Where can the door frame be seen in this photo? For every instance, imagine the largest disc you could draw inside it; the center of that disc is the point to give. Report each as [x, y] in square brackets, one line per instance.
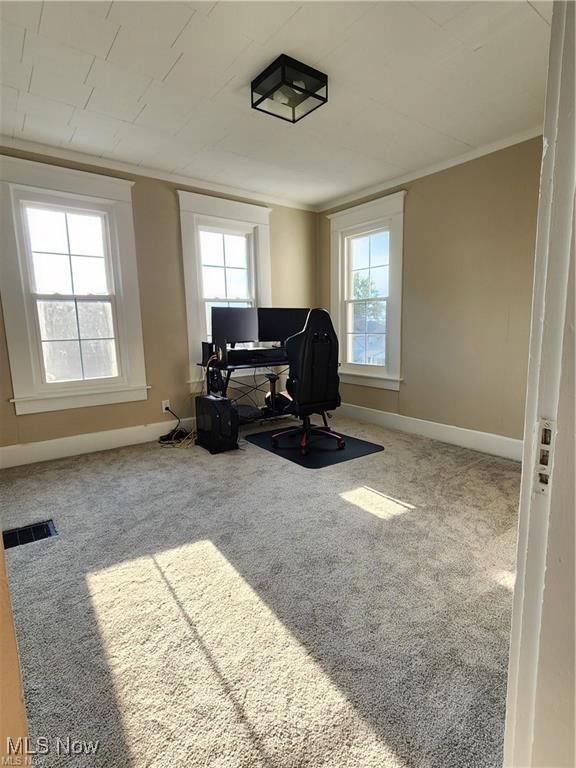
[549, 308]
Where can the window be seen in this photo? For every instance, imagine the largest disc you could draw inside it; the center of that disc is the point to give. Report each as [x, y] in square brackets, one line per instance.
[69, 288]
[227, 274]
[226, 256]
[366, 290]
[366, 294]
[72, 291]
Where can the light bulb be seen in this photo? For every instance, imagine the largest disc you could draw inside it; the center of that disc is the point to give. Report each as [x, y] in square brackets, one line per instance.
[281, 97]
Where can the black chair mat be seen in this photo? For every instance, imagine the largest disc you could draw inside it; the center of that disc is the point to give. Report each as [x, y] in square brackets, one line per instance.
[322, 452]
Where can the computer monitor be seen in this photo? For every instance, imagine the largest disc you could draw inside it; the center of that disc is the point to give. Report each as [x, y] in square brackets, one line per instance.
[277, 324]
[234, 324]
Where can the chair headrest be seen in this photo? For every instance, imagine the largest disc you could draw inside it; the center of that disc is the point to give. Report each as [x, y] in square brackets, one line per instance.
[319, 320]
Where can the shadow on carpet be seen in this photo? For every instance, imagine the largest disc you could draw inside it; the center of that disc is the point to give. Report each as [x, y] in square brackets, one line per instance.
[279, 619]
[323, 451]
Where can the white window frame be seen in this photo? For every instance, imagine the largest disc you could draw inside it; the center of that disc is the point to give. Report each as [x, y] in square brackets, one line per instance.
[384, 213]
[204, 211]
[27, 181]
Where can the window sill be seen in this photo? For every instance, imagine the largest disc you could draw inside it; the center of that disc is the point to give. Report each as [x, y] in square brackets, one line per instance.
[62, 401]
[368, 380]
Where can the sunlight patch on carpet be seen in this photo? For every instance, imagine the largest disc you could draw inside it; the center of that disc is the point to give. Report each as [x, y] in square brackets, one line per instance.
[196, 655]
[376, 503]
[506, 579]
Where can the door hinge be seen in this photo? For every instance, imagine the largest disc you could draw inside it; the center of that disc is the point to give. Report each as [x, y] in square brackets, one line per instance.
[544, 455]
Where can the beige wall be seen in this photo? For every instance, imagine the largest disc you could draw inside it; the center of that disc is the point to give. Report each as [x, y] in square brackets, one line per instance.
[160, 273]
[469, 235]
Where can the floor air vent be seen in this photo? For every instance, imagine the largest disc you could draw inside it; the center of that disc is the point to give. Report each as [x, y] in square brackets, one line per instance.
[16, 536]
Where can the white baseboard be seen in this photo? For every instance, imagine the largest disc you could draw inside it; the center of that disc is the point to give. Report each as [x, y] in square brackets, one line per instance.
[485, 442]
[28, 453]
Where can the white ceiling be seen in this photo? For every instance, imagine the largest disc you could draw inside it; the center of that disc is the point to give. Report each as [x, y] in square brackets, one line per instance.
[165, 85]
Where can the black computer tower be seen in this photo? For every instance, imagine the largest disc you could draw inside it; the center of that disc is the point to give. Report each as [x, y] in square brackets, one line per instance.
[216, 423]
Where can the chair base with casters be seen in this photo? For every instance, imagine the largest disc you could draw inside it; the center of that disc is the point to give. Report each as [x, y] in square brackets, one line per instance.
[305, 431]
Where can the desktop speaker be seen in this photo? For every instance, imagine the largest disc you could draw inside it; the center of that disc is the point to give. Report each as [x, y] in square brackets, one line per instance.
[216, 423]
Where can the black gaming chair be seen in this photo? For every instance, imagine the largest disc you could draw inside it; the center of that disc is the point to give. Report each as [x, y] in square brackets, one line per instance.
[313, 378]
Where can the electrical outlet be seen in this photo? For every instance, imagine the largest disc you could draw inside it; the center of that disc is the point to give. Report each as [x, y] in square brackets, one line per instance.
[165, 406]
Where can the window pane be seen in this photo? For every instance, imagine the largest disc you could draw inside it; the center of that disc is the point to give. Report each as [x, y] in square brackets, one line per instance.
[95, 319]
[62, 360]
[379, 281]
[362, 287]
[57, 320]
[52, 273]
[99, 358]
[360, 251]
[356, 348]
[235, 249]
[376, 350]
[379, 249]
[237, 283]
[213, 281]
[85, 234]
[211, 248]
[89, 275]
[376, 317]
[47, 230]
[357, 318]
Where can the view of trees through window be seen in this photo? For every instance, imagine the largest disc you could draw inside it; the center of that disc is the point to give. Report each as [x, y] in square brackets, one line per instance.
[368, 276]
[72, 293]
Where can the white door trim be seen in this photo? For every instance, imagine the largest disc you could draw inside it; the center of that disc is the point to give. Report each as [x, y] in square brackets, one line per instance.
[551, 270]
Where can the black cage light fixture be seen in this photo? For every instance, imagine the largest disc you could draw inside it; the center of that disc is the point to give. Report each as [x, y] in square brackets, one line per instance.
[289, 89]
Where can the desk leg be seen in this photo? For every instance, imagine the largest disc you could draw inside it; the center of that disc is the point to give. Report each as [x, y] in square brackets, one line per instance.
[226, 382]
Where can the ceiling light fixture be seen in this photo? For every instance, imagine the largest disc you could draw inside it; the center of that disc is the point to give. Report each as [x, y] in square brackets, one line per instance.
[289, 89]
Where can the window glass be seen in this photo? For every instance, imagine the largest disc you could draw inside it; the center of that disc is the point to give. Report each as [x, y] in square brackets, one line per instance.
[69, 259]
[95, 320]
[99, 358]
[368, 285]
[360, 253]
[47, 230]
[52, 273]
[379, 249]
[85, 234]
[212, 248]
[62, 360]
[237, 283]
[57, 320]
[235, 249]
[214, 282]
[89, 275]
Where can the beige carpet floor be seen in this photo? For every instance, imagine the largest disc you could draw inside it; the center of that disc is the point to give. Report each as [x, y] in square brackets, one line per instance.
[239, 611]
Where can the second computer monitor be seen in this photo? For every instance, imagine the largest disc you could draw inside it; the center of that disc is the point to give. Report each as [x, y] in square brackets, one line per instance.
[234, 324]
[277, 324]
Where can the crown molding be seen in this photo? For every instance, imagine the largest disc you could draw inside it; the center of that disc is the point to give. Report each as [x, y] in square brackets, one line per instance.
[487, 149]
[201, 185]
[105, 164]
